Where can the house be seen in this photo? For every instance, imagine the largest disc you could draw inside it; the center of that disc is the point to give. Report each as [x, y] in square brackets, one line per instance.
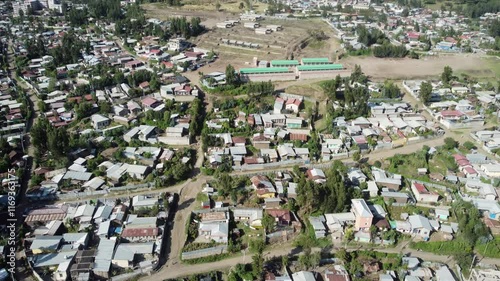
[339, 273]
[491, 170]
[420, 226]
[444, 274]
[484, 190]
[318, 224]
[142, 201]
[422, 194]
[372, 188]
[251, 215]
[140, 234]
[46, 214]
[99, 122]
[216, 231]
[278, 105]
[102, 214]
[282, 217]
[293, 105]
[126, 253]
[362, 213]
[303, 276]
[442, 214]
[316, 175]
[45, 244]
[102, 263]
[260, 141]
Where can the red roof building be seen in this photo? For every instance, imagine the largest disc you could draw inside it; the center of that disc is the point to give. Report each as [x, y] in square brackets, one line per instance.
[146, 233]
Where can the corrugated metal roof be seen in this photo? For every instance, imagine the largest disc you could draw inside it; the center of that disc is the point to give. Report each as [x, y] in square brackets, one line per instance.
[284, 62]
[262, 70]
[320, 67]
[315, 60]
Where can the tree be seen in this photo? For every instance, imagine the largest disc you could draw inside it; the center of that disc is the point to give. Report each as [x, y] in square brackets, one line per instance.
[257, 245]
[450, 143]
[241, 6]
[469, 145]
[268, 222]
[231, 78]
[285, 261]
[217, 6]
[356, 156]
[425, 91]
[42, 106]
[257, 266]
[447, 75]
[343, 255]
[104, 107]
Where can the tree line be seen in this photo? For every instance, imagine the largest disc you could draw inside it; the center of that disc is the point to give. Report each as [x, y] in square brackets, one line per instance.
[390, 51]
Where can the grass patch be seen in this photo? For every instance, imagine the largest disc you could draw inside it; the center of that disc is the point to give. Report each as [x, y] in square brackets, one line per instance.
[490, 249]
[442, 247]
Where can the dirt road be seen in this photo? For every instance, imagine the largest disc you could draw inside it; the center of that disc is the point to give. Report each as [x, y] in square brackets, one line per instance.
[178, 270]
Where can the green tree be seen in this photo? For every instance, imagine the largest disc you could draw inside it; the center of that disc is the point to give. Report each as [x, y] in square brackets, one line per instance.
[268, 222]
[217, 6]
[469, 145]
[231, 77]
[425, 92]
[447, 75]
[356, 156]
[450, 143]
[42, 106]
[104, 107]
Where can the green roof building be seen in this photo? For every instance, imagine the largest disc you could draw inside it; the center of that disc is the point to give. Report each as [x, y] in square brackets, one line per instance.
[264, 70]
[312, 61]
[320, 67]
[284, 63]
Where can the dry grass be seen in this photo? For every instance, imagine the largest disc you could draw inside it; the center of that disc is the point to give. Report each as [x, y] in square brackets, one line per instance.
[427, 67]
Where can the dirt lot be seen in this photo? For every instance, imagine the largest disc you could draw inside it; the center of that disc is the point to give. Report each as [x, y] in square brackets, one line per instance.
[428, 67]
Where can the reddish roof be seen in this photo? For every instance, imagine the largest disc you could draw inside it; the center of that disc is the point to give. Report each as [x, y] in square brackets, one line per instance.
[144, 84]
[297, 102]
[88, 97]
[260, 137]
[149, 101]
[413, 35]
[251, 160]
[451, 113]
[140, 232]
[463, 162]
[470, 170]
[239, 140]
[360, 139]
[155, 51]
[167, 64]
[459, 157]
[280, 100]
[420, 188]
[282, 215]
[301, 137]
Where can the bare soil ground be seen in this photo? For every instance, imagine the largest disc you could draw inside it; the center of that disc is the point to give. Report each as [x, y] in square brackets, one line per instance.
[424, 68]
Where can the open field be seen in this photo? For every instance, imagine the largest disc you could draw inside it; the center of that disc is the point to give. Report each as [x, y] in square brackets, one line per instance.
[482, 68]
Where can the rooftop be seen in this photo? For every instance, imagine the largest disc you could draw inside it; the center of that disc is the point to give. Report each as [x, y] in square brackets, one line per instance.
[320, 67]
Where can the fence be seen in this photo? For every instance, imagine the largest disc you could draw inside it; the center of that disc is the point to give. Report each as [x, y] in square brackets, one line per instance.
[292, 96]
[77, 195]
[269, 165]
[437, 186]
[128, 276]
[218, 250]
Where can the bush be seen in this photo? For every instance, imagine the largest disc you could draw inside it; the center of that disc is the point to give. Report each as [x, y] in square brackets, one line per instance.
[390, 51]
